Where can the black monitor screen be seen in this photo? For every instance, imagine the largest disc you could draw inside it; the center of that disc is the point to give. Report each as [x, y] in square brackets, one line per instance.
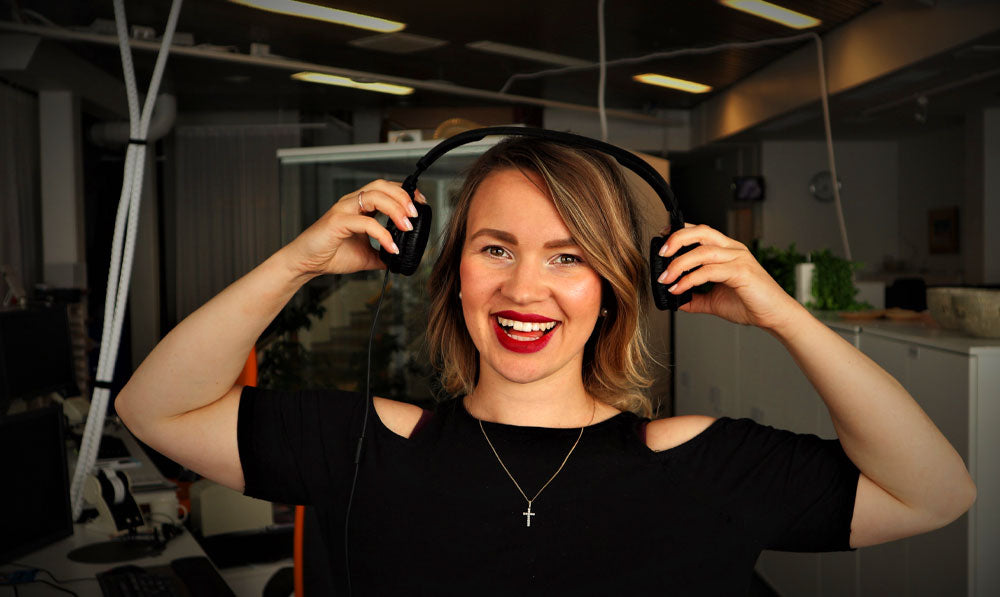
[36, 355]
[34, 504]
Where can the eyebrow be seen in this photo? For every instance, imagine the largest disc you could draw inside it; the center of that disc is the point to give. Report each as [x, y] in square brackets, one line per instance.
[507, 237]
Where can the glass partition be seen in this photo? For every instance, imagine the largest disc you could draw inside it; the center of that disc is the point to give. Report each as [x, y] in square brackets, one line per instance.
[321, 338]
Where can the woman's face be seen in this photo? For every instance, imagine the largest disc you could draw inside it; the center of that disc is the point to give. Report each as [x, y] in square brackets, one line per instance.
[529, 299]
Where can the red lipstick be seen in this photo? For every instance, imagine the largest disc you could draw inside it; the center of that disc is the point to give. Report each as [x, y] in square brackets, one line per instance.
[521, 346]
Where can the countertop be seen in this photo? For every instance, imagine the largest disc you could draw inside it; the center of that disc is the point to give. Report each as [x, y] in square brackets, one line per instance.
[917, 332]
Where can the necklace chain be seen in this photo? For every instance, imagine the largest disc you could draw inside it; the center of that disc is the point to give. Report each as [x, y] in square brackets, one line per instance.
[529, 513]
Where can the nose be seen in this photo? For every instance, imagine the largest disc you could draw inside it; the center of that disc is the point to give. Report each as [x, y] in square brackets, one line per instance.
[525, 283]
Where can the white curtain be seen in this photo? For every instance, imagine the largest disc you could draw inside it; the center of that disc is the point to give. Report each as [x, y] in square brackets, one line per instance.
[20, 233]
[227, 216]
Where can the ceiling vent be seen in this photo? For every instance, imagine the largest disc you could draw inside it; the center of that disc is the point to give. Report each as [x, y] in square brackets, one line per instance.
[397, 43]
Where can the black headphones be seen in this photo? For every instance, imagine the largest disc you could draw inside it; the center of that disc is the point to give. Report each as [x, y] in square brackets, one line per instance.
[412, 243]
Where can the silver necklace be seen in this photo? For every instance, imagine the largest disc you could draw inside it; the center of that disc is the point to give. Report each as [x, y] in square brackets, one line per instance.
[527, 515]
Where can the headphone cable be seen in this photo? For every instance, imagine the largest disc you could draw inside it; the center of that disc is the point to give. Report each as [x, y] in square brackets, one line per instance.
[364, 428]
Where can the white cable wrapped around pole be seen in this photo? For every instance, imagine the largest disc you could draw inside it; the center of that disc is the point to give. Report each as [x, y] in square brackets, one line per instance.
[123, 242]
[116, 134]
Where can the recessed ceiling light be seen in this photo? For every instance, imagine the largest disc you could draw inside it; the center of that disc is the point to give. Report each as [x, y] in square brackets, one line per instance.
[672, 82]
[527, 53]
[773, 12]
[324, 13]
[346, 82]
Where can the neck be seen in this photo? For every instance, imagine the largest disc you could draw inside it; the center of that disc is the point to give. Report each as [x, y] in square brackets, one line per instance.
[551, 402]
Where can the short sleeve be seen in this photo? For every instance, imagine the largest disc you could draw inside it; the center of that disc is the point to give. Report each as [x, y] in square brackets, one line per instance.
[791, 491]
[296, 445]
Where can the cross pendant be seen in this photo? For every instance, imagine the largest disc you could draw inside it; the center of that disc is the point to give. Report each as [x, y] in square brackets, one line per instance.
[528, 514]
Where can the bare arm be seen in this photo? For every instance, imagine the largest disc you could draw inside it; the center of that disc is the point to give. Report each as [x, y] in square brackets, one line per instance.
[912, 479]
[192, 371]
[181, 400]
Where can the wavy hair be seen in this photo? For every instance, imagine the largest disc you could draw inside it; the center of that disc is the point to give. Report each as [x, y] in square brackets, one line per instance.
[593, 199]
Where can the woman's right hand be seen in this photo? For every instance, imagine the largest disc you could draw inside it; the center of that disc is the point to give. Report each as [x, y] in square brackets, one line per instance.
[338, 243]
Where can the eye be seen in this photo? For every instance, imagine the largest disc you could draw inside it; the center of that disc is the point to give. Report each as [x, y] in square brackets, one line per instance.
[495, 251]
[568, 259]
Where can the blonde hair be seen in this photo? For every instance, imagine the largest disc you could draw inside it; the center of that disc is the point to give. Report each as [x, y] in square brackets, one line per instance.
[592, 197]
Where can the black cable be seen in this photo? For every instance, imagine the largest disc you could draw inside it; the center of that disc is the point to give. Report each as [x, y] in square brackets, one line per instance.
[53, 576]
[364, 427]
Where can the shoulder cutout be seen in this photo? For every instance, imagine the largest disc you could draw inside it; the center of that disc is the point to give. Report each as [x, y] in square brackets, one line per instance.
[664, 434]
[399, 417]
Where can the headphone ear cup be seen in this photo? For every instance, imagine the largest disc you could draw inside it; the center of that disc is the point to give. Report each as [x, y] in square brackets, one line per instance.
[411, 243]
[663, 299]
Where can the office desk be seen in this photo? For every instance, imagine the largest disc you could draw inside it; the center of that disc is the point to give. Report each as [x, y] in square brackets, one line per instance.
[54, 559]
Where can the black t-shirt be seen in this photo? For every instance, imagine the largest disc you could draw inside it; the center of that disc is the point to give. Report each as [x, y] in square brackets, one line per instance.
[436, 514]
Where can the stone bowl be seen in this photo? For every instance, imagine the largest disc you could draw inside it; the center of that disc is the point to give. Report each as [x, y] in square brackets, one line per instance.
[978, 311]
[941, 306]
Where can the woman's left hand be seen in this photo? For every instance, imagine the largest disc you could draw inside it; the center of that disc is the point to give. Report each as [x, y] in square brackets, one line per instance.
[743, 292]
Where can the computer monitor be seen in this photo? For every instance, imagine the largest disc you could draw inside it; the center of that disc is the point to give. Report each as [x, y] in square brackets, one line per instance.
[34, 502]
[36, 354]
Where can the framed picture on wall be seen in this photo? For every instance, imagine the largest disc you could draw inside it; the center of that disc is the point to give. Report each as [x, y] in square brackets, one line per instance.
[942, 230]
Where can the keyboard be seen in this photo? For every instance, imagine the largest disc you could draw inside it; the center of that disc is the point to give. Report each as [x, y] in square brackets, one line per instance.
[133, 581]
[184, 577]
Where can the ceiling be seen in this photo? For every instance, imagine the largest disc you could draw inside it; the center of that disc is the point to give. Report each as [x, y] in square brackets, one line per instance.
[564, 27]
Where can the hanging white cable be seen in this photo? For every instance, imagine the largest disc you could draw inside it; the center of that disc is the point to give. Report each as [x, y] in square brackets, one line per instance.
[123, 242]
[602, 81]
[831, 162]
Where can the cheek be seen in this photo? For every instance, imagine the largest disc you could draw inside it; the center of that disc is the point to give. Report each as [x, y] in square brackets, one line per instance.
[585, 294]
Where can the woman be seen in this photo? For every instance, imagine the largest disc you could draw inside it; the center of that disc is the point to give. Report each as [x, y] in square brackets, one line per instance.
[545, 476]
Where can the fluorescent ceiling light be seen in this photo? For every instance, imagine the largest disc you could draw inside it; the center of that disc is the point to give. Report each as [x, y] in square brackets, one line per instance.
[673, 83]
[773, 12]
[527, 53]
[324, 13]
[346, 82]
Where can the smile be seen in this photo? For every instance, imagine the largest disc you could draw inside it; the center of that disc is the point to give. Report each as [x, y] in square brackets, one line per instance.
[523, 336]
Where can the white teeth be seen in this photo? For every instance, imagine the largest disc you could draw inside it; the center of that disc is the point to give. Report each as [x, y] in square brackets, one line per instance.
[524, 326]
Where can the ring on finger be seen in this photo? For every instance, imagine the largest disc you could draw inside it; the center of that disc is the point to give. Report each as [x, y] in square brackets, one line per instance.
[360, 204]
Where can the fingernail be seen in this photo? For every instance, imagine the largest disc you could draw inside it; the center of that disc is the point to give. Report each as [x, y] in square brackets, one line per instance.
[407, 225]
[412, 210]
[663, 250]
[663, 278]
[421, 195]
[394, 248]
[672, 288]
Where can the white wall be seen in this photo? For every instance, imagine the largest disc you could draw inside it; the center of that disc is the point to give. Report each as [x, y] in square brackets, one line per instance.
[931, 171]
[868, 171]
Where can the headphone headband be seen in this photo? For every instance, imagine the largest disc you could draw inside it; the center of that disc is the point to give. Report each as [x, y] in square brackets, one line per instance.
[413, 243]
[626, 158]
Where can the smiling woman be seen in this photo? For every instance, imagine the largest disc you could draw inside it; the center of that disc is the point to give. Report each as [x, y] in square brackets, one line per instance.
[544, 474]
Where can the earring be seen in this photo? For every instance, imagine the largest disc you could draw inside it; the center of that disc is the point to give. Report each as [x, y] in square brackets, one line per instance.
[459, 295]
[604, 311]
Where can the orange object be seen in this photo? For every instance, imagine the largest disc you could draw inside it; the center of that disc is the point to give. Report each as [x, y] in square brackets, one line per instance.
[300, 518]
[248, 377]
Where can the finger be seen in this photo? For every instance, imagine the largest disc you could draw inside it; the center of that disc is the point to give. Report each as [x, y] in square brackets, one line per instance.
[715, 272]
[697, 234]
[372, 200]
[699, 256]
[394, 190]
[359, 224]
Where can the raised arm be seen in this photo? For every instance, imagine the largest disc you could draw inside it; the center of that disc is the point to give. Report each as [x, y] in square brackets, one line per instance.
[181, 400]
[912, 479]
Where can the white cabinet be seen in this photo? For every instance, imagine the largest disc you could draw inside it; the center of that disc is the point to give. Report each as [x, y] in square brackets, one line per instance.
[728, 370]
